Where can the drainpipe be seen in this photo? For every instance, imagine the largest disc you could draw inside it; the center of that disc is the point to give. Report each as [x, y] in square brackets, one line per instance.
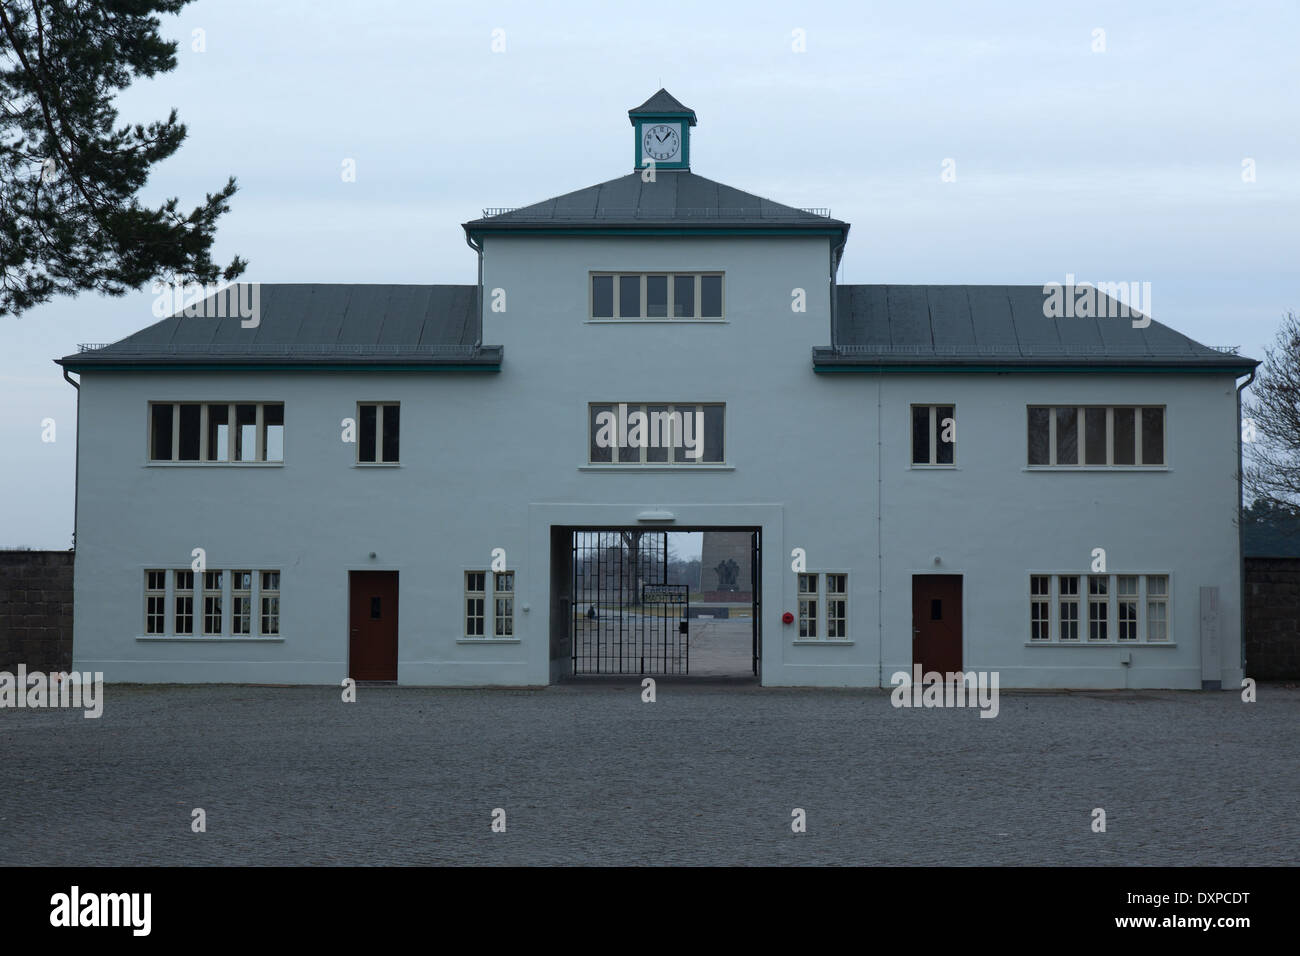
[880, 560]
[836, 252]
[478, 248]
[1241, 524]
[76, 466]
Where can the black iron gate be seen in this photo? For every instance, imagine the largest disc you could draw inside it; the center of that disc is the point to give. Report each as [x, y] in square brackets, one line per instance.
[627, 618]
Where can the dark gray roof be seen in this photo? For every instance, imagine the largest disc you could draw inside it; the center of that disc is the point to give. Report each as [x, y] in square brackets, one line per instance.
[415, 326]
[992, 326]
[660, 104]
[677, 198]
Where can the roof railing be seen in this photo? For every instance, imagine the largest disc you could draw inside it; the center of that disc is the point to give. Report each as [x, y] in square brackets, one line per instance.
[490, 211]
[1227, 349]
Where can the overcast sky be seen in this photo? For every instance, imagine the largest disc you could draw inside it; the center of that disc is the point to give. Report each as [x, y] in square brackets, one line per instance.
[1122, 165]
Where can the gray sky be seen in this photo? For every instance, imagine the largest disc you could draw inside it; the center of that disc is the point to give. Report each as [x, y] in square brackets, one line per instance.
[1123, 165]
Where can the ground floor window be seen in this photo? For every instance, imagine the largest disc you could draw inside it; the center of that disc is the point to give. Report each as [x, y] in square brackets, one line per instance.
[176, 589]
[1110, 598]
[500, 599]
[823, 618]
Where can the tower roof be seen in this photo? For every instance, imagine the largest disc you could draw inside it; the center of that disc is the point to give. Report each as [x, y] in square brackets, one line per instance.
[661, 104]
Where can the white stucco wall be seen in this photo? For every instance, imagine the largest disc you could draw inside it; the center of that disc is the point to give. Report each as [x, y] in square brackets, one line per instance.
[494, 460]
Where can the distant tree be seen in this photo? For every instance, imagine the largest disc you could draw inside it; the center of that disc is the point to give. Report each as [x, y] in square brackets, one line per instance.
[1271, 433]
[70, 219]
[1271, 530]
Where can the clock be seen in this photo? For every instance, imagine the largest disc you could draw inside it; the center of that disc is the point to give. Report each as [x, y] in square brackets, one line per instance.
[661, 142]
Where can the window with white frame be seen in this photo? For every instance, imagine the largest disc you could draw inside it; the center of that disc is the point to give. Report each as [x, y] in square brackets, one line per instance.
[1117, 598]
[503, 602]
[270, 597]
[1098, 607]
[1096, 436]
[490, 593]
[1157, 607]
[183, 588]
[221, 432]
[1126, 606]
[1040, 607]
[241, 603]
[1068, 591]
[212, 592]
[379, 433]
[207, 588]
[934, 434]
[808, 595]
[837, 607]
[475, 602]
[624, 433]
[656, 295]
[155, 602]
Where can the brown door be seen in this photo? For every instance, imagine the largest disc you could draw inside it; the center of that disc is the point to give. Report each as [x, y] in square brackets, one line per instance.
[372, 625]
[936, 622]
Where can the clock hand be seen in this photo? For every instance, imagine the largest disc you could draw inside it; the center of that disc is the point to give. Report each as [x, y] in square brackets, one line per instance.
[661, 138]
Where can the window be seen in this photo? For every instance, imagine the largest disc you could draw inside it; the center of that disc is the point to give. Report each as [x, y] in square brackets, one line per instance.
[475, 602]
[504, 602]
[270, 594]
[241, 602]
[216, 431]
[1098, 607]
[212, 589]
[1110, 597]
[501, 601]
[934, 434]
[1157, 607]
[837, 604]
[1096, 436]
[1040, 607]
[155, 602]
[379, 425]
[183, 586]
[808, 584]
[656, 295]
[1126, 592]
[620, 433]
[1069, 622]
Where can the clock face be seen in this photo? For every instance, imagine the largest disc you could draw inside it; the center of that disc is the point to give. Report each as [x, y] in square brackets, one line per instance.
[661, 142]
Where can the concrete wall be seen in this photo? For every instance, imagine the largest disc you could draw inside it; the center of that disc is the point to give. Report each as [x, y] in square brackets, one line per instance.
[1273, 618]
[498, 460]
[36, 610]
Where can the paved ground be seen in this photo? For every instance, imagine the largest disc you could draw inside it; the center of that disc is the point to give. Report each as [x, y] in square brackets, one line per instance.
[707, 774]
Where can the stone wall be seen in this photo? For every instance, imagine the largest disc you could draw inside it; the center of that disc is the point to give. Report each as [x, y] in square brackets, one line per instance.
[36, 610]
[1273, 618]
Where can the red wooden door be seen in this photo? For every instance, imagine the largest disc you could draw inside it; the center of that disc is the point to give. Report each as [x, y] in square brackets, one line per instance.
[372, 625]
[936, 622]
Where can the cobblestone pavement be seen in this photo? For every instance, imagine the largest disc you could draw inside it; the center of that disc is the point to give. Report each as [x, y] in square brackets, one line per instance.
[708, 774]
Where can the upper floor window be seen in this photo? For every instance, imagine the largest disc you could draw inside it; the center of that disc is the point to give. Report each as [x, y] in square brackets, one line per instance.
[656, 295]
[934, 434]
[379, 427]
[216, 431]
[628, 434]
[1096, 436]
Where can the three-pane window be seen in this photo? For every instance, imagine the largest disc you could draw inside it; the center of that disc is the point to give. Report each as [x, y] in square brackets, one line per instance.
[656, 295]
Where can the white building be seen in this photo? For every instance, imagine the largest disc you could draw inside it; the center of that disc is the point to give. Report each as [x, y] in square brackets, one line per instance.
[353, 461]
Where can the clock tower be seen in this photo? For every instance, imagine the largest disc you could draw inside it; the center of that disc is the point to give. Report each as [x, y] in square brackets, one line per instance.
[662, 128]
